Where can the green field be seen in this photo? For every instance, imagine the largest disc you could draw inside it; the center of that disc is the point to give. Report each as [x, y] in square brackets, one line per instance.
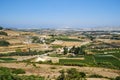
[67, 39]
[105, 51]
[107, 61]
[88, 61]
[116, 55]
[7, 59]
[98, 60]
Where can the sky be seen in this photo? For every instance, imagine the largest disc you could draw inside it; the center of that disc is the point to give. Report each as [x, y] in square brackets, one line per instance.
[59, 13]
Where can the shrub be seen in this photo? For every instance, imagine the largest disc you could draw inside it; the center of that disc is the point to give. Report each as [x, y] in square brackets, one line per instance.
[71, 74]
[11, 74]
[82, 74]
[96, 76]
[4, 43]
[18, 50]
[18, 71]
[4, 70]
[53, 67]
[117, 78]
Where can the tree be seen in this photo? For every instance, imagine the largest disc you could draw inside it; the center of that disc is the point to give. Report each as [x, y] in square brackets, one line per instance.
[35, 39]
[62, 76]
[82, 74]
[82, 49]
[65, 50]
[72, 50]
[72, 74]
[77, 50]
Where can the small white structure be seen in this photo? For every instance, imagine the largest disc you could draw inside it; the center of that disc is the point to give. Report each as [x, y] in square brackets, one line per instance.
[42, 58]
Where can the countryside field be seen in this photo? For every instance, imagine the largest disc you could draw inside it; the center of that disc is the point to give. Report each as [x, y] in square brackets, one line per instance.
[44, 57]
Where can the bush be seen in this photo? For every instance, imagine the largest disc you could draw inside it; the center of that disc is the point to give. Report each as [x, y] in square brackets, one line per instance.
[4, 43]
[53, 67]
[4, 70]
[82, 74]
[117, 78]
[32, 77]
[18, 50]
[96, 76]
[18, 71]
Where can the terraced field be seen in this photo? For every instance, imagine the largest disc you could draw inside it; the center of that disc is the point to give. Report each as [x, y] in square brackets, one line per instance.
[116, 55]
[89, 61]
[104, 60]
[7, 59]
[109, 59]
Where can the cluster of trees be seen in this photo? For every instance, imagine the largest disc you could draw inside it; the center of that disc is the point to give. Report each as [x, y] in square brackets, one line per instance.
[90, 37]
[4, 43]
[75, 50]
[36, 39]
[71, 74]
[12, 74]
[65, 50]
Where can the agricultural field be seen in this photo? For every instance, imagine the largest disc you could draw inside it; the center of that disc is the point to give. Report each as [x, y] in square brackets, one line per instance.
[117, 55]
[66, 51]
[105, 51]
[7, 59]
[88, 61]
[107, 61]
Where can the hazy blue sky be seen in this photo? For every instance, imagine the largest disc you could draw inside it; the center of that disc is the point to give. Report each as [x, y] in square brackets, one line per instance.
[59, 13]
